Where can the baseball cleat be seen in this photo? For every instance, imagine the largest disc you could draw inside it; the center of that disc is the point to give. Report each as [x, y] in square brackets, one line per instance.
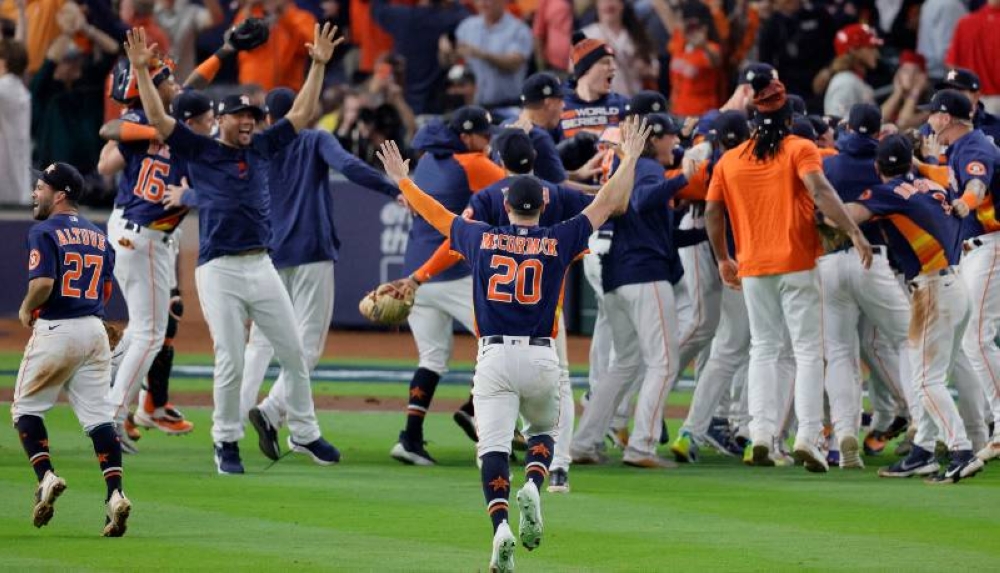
[963, 465]
[467, 423]
[810, 456]
[48, 490]
[119, 508]
[267, 434]
[919, 462]
[720, 438]
[321, 451]
[760, 456]
[647, 461]
[166, 425]
[128, 445]
[850, 454]
[589, 458]
[227, 458]
[618, 437]
[131, 429]
[558, 481]
[991, 451]
[530, 526]
[875, 442]
[502, 560]
[684, 448]
[411, 452]
[898, 426]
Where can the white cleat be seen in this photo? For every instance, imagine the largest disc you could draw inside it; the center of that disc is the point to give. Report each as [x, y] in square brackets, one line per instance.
[530, 526]
[502, 560]
[119, 508]
[810, 456]
[850, 454]
[49, 489]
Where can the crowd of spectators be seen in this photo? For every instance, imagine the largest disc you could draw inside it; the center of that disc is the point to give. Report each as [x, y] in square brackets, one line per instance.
[408, 60]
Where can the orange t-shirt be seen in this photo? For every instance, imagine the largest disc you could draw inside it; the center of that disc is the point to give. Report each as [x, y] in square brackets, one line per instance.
[694, 81]
[769, 207]
[282, 60]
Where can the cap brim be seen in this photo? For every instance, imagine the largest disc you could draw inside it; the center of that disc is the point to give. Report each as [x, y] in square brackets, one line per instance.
[257, 112]
[946, 85]
[928, 107]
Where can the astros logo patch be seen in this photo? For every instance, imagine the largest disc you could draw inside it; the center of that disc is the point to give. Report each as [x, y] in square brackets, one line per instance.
[975, 168]
[34, 257]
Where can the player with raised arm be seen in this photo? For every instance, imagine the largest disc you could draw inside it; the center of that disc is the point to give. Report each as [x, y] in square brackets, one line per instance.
[518, 272]
[236, 279]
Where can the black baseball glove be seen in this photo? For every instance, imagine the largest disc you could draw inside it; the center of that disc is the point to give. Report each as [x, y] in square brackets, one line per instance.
[248, 34]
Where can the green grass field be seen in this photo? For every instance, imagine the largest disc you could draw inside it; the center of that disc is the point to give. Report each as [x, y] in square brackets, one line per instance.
[372, 514]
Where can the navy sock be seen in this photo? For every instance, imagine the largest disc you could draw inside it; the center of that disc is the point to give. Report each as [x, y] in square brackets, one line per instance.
[35, 439]
[422, 389]
[159, 374]
[468, 408]
[496, 485]
[538, 458]
[109, 455]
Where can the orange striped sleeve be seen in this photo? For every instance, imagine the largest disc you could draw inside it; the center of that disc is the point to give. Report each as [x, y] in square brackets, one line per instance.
[479, 170]
[443, 259]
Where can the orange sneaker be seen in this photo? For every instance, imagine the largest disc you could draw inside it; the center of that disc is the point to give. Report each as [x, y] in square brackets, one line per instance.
[165, 424]
[131, 429]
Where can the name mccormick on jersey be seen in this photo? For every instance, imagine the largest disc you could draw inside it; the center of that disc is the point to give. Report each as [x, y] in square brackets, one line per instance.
[519, 245]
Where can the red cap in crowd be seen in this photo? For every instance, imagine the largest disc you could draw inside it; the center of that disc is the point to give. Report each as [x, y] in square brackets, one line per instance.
[911, 57]
[855, 36]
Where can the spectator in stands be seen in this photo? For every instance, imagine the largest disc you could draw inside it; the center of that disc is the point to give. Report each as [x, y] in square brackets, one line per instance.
[282, 60]
[460, 89]
[976, 46]
[495, 46]
[386, 98]
[15, 125]
[968, 83]
[938, 19]
[183, 20]
[909, 85]
[857, 48]
[592, 106]
[415, 31]
[553, 28]
[44, 26]
[635, 55]
[798, 41]
[139, 14]
[695, 60]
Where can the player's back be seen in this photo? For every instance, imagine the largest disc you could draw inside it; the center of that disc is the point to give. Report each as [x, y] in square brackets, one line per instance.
[149, 168]
[561, 203]
[75, 254]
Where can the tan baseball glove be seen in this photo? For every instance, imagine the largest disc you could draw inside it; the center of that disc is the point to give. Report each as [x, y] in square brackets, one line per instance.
[114, 334]
[389, 303]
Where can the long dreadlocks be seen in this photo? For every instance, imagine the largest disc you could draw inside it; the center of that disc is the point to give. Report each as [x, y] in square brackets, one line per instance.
[774, 116]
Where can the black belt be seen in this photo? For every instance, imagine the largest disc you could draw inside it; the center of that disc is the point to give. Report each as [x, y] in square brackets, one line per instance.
[137, 228]
[532, 341]
[876, 249]
[974, 243]
[605, 235]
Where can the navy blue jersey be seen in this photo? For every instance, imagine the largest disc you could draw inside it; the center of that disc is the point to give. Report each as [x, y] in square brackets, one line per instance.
[232, 182]
[988, 123]
[561, 203]
[518, 272]
[548, 164]
[643, 249]
[974, 157]
[852, 171]
[75, 254]
[301, 204]
[593, 116]
[149, 168]
[923, 234]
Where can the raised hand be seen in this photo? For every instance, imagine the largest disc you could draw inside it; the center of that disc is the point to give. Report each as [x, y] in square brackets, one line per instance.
[634, 135]
[174, 195]
[325, 41]
[139, 54]
[395, 167]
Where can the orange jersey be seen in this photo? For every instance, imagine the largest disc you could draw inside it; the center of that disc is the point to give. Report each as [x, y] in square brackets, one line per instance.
[282, 60]
[694, 81]
[770, 209]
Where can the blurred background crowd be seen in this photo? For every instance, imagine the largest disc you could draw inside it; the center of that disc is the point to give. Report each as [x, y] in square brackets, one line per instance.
[409, 60]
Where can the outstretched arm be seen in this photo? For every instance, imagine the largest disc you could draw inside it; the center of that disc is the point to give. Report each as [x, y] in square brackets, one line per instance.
[425, 205]
[321, 50]
[614, 196]
[139, 55]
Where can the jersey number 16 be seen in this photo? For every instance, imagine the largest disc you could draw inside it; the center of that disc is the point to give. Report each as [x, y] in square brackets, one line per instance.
[151, 183]
[526, 276]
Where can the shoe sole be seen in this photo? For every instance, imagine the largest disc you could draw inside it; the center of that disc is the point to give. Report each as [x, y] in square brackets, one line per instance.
[921, 472]
[399, 453]
[988, 453]
[717, 446]
[152, 424]
[530, 526]
[222, 472]
[119, 520]
[505, 557]
[650, 464]
[850, 456]
[762, 457]
[45, 509]
[588, 460]
[462, 419]
[304, 450]
[558, 488]
[268, 446]
[681, 456]
[811, 462]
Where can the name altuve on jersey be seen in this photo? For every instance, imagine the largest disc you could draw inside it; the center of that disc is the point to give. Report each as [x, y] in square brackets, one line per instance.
[78, 236]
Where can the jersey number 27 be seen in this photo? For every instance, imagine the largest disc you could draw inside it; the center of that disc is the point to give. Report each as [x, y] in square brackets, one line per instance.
[526, 276]
[74, 264]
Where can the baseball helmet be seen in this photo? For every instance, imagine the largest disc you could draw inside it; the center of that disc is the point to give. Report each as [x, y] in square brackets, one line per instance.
[125, 88]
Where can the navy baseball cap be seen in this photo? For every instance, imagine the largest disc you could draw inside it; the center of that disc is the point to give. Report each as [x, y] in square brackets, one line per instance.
[951, 102]
[802, 127]
[646, 101]
[865, 118]
[524, 193]
[797, 104]
[236, 103]
[278, 101]
[539, 87]
[757, 69]
[959, 79]
[818, 124]
[471, 119]
[662, 124]
[894, 150]
[63, 177]
[514, 148]
[731, 128]
[190, 103]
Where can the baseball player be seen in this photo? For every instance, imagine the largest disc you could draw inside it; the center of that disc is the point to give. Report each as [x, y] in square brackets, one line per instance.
[303, 247]
[453, 167]
[519, 270]
[973, 162]
[770, 186]
[69, 281]
[967, 82]
[925, 239]
[235, 277]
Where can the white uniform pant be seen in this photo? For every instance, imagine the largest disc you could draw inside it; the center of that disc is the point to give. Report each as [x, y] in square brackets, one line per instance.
[70, 353]
[311, 289]
[850, 291]
[600, 342]
[514, 378]
[233, 290]
[436, 305]
[644, 325]
[980, 270]
[775, 303]
[939, 318]
[883, 358]
[561, 458]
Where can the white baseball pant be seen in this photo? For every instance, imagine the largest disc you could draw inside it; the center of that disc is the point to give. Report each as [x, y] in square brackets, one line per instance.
[600, 342]
[561, 458]
[883, 359]
[233, 290]
[311, 289]
[980, 270]
[435, 306]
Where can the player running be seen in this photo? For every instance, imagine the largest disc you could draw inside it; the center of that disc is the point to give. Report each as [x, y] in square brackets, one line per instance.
[69, 281]
[518, 272]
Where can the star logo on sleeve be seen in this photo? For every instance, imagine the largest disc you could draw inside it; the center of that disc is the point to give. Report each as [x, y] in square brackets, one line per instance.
[500, 483]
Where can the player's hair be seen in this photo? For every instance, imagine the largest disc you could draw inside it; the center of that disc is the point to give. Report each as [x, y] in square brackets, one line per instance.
[774, 118]
[16, 56]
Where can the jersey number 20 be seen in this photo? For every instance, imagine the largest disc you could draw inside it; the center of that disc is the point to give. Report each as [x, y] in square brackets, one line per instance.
[151, 184]
[526, 276]
[73, 266]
